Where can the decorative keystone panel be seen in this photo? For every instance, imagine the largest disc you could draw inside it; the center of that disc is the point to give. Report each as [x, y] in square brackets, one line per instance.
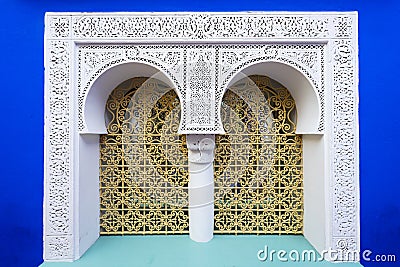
[201, 83]
[200, 53]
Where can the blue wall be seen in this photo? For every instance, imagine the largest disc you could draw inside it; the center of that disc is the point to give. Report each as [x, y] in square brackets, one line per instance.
[21, 167]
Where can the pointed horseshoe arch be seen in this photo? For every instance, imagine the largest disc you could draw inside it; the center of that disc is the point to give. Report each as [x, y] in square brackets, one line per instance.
[96, 97]
[303, 91]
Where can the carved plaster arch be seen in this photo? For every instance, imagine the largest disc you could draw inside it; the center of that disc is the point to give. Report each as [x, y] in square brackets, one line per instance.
[104, 82]
[296, 80]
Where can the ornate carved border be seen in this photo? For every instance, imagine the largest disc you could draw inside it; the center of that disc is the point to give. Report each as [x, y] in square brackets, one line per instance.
[58, 206]
[201, 26]
[79, 46]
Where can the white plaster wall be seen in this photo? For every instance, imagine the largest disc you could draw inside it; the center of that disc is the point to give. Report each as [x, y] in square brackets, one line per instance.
[315, 224]
[315, 213]
[88, 193]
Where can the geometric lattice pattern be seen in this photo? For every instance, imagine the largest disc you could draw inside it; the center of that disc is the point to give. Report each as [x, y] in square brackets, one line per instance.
[144, 165]
[143, 161]
[258, 164]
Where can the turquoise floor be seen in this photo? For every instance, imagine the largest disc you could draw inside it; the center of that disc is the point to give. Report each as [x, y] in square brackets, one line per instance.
[179, 250]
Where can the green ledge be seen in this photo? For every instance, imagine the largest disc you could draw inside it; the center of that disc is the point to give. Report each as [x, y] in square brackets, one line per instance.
[179, 250]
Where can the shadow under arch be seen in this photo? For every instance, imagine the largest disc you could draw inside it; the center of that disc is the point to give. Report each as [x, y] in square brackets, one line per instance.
[298, 84]
[96, 97]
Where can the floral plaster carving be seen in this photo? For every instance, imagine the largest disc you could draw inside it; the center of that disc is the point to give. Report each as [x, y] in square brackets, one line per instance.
[58, 183]
[200, 26]
[199, 52]
[345, 175]
[94, 59]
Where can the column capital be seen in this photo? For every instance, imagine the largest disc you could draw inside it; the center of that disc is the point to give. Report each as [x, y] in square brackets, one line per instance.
[200, 148]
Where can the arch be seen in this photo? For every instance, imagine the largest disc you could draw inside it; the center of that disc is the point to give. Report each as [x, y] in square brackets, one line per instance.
[96, 97]
[298, 84]
[264, 173]
[143, 161]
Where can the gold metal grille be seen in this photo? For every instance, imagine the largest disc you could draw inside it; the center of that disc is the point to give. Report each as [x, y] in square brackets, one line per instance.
[141, 189]
[258, 164]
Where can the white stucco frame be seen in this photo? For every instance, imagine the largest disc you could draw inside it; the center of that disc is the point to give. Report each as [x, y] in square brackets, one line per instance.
[314, 54]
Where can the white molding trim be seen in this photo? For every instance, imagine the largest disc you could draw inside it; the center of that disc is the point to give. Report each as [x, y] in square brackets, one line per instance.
[88, 54]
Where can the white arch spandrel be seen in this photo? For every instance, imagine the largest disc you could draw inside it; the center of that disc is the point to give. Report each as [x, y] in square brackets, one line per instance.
[96, 98]
[299, 86]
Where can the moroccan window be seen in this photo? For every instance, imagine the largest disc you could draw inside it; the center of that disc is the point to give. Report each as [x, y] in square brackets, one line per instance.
[258, 163]
[257, 166]
[87, 55]
[143, 161]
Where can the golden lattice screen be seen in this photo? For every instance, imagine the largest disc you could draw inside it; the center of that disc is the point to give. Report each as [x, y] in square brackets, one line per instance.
[143, 165]
[143, 162]
[258, 180]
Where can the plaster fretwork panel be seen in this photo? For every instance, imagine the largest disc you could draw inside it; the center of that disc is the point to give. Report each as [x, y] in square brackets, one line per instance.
[200, 83]
[345, 147]
[93, 60]
[201, 74]
[58, 209]
[313, 54]
[200, 26]
[309, 59]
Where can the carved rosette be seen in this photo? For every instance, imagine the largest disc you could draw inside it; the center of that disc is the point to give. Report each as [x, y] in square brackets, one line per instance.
[59, 27]
[320, 45]
[58, 248]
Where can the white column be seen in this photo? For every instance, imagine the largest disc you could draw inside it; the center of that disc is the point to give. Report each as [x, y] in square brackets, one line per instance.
[201, 186]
